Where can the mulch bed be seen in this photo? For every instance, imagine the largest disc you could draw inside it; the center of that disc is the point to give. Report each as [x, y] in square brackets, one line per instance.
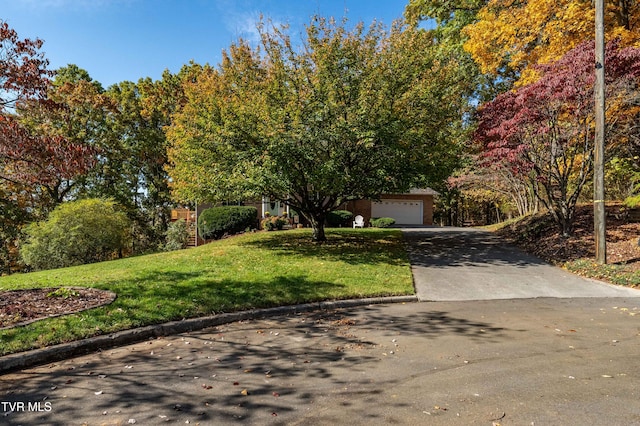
[540, 237]
[20, 307]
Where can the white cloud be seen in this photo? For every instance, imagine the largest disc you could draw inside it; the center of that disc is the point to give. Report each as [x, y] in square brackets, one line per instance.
[245, 25]
[241, 19]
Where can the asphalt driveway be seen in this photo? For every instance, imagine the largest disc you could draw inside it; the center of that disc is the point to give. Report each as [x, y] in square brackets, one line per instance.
[451, 264]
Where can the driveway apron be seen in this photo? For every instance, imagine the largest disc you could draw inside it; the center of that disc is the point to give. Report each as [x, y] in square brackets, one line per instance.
[454, 264]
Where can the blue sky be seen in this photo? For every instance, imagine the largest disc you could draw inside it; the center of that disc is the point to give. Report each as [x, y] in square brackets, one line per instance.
[117, 40]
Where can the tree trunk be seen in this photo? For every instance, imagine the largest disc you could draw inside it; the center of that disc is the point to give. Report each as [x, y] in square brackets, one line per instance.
[317, 225]
[566, 227]
[318, 232]
[564, 219]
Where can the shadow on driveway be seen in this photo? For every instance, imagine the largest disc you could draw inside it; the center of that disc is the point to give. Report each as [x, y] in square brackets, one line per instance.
[258, 372]
[470, 264]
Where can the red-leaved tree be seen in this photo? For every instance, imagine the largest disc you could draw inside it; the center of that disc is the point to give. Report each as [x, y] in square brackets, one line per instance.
[23, 68]
[545, 131]
[32, 159]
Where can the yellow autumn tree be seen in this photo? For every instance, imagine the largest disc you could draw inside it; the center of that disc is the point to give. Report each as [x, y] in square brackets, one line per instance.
[510, 36]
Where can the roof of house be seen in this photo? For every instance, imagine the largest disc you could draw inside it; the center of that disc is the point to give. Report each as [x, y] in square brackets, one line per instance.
[425, 191]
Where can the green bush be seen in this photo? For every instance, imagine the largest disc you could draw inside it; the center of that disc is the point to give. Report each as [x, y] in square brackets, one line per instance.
[632, 202]
[382, 222]
[272, 223]
[77, 232]
[177, 236]
[339, 219]
[216, 222]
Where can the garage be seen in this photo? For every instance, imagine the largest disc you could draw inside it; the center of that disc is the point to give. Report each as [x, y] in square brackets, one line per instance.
[405, 212]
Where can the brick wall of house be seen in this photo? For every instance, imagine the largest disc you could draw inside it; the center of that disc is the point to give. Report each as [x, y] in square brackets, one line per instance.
[359, 207]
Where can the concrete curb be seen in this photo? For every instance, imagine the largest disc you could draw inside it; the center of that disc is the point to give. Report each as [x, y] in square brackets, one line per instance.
[28, 359]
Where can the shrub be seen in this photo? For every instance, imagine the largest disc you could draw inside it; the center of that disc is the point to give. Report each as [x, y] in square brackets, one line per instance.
[216, 222]
[177, 236]
[77, 232]
[339, 218]
[271, 223]
[632, 202]
[382, 222]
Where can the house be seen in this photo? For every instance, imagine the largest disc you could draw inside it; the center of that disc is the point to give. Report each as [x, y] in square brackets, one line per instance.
[264, 207]
[412, 208]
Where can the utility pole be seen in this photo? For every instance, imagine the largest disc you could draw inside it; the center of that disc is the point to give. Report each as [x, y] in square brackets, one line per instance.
[599, 216]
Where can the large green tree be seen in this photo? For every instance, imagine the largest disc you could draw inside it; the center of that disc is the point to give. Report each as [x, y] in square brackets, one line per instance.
[447, 21]
[123, 126]
[348, 113]
[77, 112]
[136, 175]
[133, 171]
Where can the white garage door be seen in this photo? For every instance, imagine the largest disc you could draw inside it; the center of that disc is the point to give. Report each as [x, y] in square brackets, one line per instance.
[405, 212]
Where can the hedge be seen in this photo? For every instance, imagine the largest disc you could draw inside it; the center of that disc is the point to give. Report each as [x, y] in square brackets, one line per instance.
[216, 222]
[382, 222]
[339, 219]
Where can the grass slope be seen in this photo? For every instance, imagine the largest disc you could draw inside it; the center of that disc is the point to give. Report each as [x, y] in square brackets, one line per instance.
[248, 271]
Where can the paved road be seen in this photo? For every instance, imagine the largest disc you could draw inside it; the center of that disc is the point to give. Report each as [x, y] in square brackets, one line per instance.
[541, 361]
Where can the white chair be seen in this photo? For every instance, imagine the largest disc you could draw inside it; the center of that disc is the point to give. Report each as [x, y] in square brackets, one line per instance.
[358, 222]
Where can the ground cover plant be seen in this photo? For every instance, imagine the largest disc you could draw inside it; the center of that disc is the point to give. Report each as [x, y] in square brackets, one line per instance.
[253, 270]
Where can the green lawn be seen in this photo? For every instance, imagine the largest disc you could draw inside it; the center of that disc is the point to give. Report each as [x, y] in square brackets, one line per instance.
[249, 271]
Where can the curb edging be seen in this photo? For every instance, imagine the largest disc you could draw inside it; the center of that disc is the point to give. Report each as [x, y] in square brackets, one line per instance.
[35, 357]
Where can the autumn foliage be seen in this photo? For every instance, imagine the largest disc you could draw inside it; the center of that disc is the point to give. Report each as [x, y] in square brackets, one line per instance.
[28, 157]
[509, 38]
[545, 130]
[34, 163]
[23, 68]
[42, 160]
